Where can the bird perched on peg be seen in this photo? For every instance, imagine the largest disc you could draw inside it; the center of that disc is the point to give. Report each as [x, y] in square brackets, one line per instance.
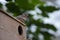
[23, 17]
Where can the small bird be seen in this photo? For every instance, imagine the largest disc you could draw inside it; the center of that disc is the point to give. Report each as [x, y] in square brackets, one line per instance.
[23, 17]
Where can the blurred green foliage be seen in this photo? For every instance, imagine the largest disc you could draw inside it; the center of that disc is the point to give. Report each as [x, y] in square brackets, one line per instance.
[24, 4]
[12, 7]
[0, 5]
[47, 9]
[20, 6]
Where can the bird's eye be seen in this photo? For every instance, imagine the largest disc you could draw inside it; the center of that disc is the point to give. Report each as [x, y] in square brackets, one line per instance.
[20, 30]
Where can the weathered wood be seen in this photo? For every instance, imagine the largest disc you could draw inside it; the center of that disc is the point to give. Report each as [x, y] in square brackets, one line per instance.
[9, 28]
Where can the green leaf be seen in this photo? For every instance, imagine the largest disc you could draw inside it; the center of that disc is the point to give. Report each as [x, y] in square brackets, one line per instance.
[16, 14]
[47, 36]
[44, 14]
[35, 2]
[41, 3]
[46, 33]
[12, 7]
[48, 8]
[24, 4]
[48, 26]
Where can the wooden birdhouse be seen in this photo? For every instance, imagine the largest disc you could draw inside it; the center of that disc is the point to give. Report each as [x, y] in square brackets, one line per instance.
[11, 28]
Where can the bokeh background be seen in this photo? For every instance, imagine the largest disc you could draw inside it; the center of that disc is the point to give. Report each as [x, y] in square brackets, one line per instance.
[44, 17]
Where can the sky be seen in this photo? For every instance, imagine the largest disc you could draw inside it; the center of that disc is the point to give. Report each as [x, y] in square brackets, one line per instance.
[54, 16]
[3, 1]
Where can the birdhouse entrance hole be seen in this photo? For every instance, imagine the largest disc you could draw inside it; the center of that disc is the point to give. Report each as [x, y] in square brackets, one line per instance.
[20, 30]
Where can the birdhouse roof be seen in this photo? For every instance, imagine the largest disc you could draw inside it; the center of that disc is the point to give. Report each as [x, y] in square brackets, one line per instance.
[12, 17]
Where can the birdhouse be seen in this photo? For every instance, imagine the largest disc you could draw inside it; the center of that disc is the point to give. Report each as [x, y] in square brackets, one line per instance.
[11, 28]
